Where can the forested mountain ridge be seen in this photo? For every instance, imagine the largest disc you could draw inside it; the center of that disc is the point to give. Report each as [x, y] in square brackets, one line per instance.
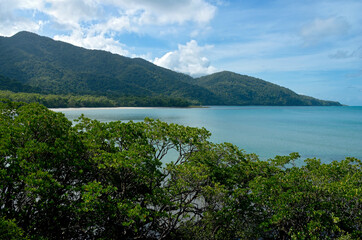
[236, 89]
[61, 68]
[54, 67]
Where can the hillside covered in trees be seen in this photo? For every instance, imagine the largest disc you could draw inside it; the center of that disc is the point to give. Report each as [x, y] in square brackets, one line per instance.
[33, 64]
[94, 180]
[236, 89]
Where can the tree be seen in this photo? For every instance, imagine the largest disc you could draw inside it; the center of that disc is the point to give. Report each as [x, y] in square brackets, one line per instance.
[154, 180]
[315, 201]
[91, 180]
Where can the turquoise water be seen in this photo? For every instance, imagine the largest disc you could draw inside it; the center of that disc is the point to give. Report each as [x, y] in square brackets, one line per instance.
[328, 133]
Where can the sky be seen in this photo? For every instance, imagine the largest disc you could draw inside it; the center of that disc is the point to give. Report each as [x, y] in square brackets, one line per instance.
[313, 47]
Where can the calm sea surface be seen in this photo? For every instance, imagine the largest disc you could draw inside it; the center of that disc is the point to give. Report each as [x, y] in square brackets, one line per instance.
[328, 133]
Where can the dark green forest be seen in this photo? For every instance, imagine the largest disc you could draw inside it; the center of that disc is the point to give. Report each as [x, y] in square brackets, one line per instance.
[71, 100]
[236, 89]
[33, 64]
[94, 180]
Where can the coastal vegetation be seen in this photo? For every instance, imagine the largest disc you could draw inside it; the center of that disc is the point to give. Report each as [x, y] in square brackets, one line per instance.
[95, 180]
[71, 100]
[33, 64]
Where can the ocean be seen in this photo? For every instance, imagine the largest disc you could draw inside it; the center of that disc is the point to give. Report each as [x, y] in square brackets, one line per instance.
[327, 133]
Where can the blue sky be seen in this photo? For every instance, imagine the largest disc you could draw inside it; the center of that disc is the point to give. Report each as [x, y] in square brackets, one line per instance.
[311, 47]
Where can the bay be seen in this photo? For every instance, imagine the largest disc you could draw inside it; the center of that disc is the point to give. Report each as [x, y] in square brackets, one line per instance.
[328, 133]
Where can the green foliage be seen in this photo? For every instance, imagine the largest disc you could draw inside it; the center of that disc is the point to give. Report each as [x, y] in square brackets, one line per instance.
[10, 231]
[316, 201]
[14, 86]
[42, 65]
[62, 101]
[154, 180]
[236, 89]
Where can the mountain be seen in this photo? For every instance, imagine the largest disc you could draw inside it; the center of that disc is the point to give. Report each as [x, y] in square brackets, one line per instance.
[43, 65]
[236, 89]
[61, 68]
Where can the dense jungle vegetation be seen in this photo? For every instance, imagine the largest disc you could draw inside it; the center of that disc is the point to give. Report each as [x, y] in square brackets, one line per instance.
[94, 180]
[70, 100]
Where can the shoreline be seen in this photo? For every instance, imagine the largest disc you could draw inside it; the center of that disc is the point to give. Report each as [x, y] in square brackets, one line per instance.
[190, 107]
[129, 108]
[103, 108]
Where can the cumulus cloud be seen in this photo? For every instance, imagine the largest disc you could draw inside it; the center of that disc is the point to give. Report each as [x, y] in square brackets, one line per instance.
[11, 24]
[96, 24]
[321, 29]
[114, 24]
[187, 59]
[9, 28]
[100, 36]
[141, 12]
[66, 13]
[71, 12]
[94, 41]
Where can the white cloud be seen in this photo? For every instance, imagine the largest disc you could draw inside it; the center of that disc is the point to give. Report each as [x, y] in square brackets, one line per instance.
[11, 24]
[66, 13]
[96, 24]
[321, 29]
[71, 12]
[117, 24]
[27, 4]
[9, 28]
[90, 41]
[187, 59]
